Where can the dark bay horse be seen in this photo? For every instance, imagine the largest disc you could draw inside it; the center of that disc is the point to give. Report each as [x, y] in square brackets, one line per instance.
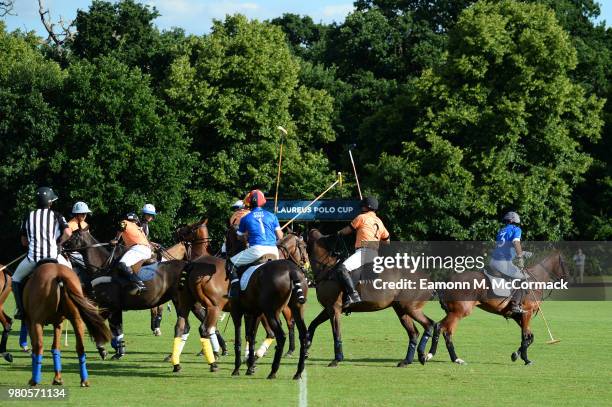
[53, 293]
[112, 296]
[329, 294]
[193, 242]
[5, 320]
[459, 304]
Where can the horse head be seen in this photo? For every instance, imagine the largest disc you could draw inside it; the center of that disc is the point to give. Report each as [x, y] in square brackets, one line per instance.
[294, 249]
[320, 251]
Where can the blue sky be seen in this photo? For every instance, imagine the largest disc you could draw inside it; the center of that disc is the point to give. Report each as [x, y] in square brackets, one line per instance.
[195, 16]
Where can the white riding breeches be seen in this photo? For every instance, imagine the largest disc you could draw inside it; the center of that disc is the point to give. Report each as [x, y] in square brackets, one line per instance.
[252, 253]
[26, 267]
[506, 267]
[362, 255]
[136, 253]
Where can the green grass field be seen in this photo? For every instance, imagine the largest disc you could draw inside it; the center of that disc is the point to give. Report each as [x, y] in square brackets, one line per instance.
[575, 372]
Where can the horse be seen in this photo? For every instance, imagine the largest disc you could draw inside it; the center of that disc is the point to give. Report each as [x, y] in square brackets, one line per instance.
[329, 293]
[196, 245]
[110, 294]
[53, 293]
[235, 245]
[270, 289]
[5, 320]
[459, 303]
[208, 285]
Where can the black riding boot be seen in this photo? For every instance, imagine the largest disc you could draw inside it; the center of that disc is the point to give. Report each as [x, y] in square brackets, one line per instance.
[515, 302]
[230, 272]
[352, 296]
[17, 292]
[133, 278]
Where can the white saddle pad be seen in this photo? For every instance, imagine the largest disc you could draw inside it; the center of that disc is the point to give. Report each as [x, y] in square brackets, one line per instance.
[501, 292]
[246, 276]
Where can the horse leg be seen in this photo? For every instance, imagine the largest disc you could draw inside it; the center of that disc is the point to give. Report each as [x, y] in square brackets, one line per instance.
[36, 339]
[117, 342]
[7, 323]
[207, 330]
[101, 346]
[334, 319]
[237, 319]
[322, 317]
[298, 316]
[447, 328]
[250, 324]
[276, 327]
[57, 356]
[265, 344]
[290, 330]
[428, 326]
[526, 338]
[181, 333]
[79, 331]
[413, 334]
[156, 318]
[222, 343]
[23, 337]
[434, 342]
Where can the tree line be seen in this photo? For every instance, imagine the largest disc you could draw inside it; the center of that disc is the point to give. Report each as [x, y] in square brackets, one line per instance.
[459, 110]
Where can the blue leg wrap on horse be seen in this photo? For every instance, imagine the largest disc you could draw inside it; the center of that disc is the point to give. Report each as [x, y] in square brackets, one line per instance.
[57, 360]
[114, 343]
[36, 368]
[423, 343]
[23, 336]
[83, 367]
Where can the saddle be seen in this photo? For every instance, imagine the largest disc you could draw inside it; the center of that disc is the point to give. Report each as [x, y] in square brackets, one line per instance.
[263, 259]
[46, 261]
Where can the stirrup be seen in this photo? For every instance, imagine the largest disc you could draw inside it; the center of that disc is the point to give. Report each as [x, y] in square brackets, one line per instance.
[350, 299]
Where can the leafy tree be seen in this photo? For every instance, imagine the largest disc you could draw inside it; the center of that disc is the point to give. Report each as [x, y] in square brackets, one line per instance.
[504, 109]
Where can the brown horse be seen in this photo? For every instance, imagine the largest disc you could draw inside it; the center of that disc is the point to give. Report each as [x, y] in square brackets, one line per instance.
[5, 320]
[53, 293]
[459, 304]
[193, 243]
[329, 294]
[207, 284]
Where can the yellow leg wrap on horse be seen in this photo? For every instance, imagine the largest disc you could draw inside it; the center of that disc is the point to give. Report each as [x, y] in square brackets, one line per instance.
[177, 347]
[263, 348]
[207, 350]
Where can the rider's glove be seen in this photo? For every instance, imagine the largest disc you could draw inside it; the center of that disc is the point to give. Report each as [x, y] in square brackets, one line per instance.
[527, 254]
[521, 262]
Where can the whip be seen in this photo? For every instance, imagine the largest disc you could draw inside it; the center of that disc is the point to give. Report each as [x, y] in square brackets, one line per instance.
[13, 261]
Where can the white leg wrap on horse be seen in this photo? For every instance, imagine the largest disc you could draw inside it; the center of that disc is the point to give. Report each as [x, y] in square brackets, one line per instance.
[183, 342]
[264, 347]
[215, 342]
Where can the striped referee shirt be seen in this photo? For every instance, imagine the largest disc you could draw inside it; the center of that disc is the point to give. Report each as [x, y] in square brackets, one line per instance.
[43, 228]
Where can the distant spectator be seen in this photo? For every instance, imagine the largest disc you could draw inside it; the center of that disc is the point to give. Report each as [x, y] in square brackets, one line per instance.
[579, 259]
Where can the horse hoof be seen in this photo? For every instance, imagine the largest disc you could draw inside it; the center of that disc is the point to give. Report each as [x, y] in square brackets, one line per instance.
[333, 363]
[514, 356]
[422, 359]
[25, 349]
[250, 371]
[157, 332]
[117, 356]
[297, 376]
[528, 363]
[214, 367]
[236, 372]
[403, 363]
[200, 354]
[85, 383]
[460, 361]
[32, 383]
[57, 382]
[429, 357]
[168, 358]
[176, 368]
[288, 354]
[272, 376]
[103, 353]
[225, 352]
[216, 355]
[8, 357]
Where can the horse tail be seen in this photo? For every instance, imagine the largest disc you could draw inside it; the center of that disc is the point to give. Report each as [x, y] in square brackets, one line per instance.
[89, 312]
[440, 294]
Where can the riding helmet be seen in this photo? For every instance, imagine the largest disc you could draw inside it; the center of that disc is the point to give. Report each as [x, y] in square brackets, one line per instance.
[370, 202]
[45, 196]
[132, 217]
[512, 217]
[149, 209]
[80, 207]
[257, 198]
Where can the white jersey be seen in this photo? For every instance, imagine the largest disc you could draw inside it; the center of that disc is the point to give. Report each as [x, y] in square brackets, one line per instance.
[43, 228]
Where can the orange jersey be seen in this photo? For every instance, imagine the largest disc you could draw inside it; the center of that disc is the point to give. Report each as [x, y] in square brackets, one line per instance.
[369, 228]
[73, 224]
[133, 234]
[236, 216]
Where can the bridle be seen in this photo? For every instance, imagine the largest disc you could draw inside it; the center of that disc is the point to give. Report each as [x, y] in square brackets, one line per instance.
[287, 253]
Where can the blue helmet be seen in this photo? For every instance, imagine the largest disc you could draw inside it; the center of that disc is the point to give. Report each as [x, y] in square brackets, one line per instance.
[149, 209]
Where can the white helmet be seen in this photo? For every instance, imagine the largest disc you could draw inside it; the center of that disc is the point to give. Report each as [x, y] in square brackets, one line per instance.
[80, 207]
[512, 217]
[238, 205]
[149, 209]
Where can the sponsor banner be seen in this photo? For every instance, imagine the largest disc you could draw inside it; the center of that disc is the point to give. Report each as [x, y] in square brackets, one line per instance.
[326, 209]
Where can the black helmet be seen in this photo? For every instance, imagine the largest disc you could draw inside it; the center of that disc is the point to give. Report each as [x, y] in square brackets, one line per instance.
[132, 217]
[44, 197]
[370, 202]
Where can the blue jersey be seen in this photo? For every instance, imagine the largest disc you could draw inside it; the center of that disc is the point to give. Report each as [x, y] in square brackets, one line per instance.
[261, 226]
[504, 249]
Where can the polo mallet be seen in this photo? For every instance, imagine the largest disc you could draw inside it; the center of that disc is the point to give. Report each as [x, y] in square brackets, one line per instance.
[354, 168]
[280, 161]
[552, 340]
[66, 335]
